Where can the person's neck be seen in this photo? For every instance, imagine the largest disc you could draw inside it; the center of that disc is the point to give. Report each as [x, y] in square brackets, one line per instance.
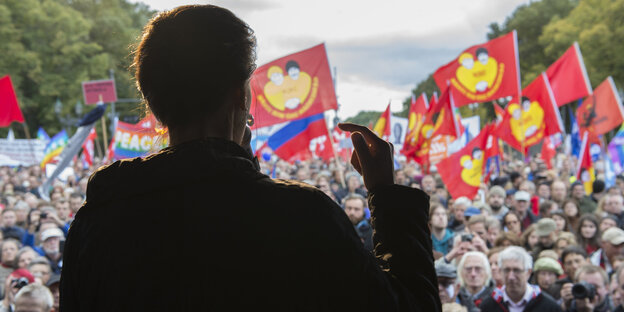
[438, 232]
[516, 297]
[473, 290]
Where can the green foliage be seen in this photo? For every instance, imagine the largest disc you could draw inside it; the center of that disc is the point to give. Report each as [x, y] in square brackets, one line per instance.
[598, 27]
[428, 86]
[50, 46]
[364, 118]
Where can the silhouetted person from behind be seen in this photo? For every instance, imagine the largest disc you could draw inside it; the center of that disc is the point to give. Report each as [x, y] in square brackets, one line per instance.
[196, 227]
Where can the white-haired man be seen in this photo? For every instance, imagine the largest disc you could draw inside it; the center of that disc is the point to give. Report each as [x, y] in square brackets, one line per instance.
[517, 294]
[35, 298]
[475, 278]
[457, 220]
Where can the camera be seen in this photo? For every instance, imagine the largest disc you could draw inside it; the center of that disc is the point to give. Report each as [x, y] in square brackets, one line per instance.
[43, 215]
[583, 290]
[467, 237]
[19, 282]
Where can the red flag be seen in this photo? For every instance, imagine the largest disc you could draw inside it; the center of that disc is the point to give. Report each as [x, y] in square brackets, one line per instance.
[499, 112]
[418, 110]
[534, 118]
[382, 126]
[342, 143]
[600, 112]
[493, 153]
[462, 171]
[9, 109]
[292, 87]
[87, 147]
[585, 172]
[568, 76]
[443, 116]
[548, 152]
[483, 72]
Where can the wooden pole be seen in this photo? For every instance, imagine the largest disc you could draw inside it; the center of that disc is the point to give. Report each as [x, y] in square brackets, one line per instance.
[105, 137]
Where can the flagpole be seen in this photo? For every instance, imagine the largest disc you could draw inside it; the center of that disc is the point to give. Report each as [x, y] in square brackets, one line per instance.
[105, 137]
[331, 141]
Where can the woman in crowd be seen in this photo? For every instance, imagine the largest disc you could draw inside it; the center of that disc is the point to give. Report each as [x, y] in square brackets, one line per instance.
[571, 211]
[511, 221]
[588, 233]
[529, 237]
[561, 221]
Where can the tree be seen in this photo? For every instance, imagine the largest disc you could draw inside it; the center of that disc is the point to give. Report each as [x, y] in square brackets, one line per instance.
[598, 27]
[364, 118]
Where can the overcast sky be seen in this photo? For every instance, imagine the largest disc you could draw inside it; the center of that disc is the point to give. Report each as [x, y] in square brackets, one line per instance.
[381, 50]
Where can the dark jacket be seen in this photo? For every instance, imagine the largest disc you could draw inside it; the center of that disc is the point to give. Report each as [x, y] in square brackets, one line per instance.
[196, 228]
[472, 304]
[541, 303]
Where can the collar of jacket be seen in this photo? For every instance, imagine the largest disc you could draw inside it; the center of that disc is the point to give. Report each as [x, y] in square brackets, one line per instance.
[190, 161]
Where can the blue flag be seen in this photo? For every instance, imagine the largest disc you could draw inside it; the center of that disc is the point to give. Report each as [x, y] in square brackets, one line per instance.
[574, 134]
[42, 134]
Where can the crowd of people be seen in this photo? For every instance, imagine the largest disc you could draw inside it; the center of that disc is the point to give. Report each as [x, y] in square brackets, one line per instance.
[530, 240]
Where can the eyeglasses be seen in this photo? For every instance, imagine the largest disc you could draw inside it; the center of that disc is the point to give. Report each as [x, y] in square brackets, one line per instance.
[477, 269]
[515, 271]
[250, 120]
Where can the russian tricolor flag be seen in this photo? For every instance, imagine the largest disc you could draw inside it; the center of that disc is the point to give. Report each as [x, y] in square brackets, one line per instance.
[294, 141]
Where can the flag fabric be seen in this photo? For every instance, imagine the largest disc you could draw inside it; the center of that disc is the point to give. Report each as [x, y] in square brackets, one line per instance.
[462, 171]
[493, 155]
[575, 135]
[585, 172]
[292, 87]
[342, 143]
[499, 112]
[568, 76]
[601, 112]
[382, 126]
[483, 72]
[87, 147]
[73, 146]
[548, 152]
[42, 134]
[9, 109]
[609, 171]
[54, 147]
[440, 120]
[136, 140]
[292, 142]
[616, 151]
[535, 117]
[417, 111]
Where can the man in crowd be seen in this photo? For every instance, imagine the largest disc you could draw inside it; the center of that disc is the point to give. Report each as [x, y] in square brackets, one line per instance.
[354, 205]
[33, 298]
[612, 246]
[50, 248]
[573, 257]
[447, 286]
[75, 202]
[9, 227]
[521, 206]
[496, 200]
[517, 294]
[584, 203]
[596, 277]
[558, 192]
[457, 221]
[441, 237]
[428, 184]
[545, 271]
[614, 204]
[475, 280]
[546, 234]
[63, 210]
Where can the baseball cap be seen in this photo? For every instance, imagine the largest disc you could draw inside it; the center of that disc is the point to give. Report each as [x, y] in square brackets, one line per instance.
[613, 235]
[547, 264]
[522, 195]
[53, 232]
[545, 226]
[445, 270]
[472, 211]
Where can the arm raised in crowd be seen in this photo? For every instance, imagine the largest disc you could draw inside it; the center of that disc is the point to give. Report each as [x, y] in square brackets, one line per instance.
[399, 216]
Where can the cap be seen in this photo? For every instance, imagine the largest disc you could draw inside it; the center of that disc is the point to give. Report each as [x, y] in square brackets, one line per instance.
[472, 211]
[547, 264]
[497, 190]
[445, 270]
[545, 226]
[54, 279]
[522, 195]
[19, 273]
[613, 235]
[53, 232]
[549, 253]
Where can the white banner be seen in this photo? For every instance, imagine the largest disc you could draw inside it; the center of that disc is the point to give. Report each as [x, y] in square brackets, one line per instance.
[21, 152]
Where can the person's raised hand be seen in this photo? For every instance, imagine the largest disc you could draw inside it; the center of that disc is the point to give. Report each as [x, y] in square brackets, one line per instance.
[372, 157]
